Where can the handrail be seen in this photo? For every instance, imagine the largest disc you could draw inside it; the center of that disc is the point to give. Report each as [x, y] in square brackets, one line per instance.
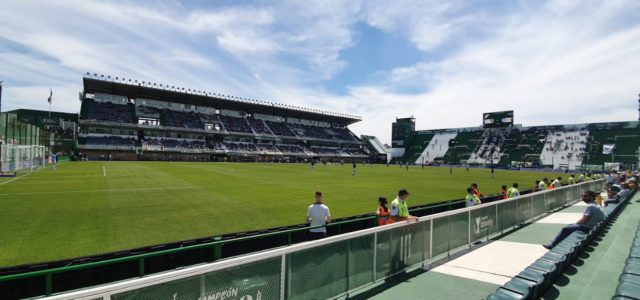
[141, 257]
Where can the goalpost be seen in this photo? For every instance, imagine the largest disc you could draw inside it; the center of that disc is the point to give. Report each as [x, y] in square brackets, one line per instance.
[21, 157]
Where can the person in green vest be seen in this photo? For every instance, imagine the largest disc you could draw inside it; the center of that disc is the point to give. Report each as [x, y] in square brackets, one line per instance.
[471, 199]
[400, 209]
[581, 178]
[513, 191]
[572, 180]
[588, 177]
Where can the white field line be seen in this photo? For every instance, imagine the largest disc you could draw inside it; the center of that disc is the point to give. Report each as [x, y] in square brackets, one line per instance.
[108, 190]
[104, 172]
[15, 178]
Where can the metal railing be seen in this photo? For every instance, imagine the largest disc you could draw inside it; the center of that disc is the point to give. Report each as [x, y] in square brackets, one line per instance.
[345, 262]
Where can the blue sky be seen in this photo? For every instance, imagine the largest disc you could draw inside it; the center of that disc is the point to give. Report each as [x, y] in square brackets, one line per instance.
[444, 62]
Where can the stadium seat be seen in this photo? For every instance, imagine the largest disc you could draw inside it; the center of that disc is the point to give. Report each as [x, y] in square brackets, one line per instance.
[527, 288]
[632, 278]
[547, 267]
[536, 278]
[629, 290]
[560, 259]
[632, 267]
[504, 294]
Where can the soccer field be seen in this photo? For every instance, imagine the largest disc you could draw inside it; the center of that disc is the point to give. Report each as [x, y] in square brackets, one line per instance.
[88, 208]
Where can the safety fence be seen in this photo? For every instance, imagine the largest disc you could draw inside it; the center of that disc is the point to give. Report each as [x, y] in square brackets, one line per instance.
[338, 265]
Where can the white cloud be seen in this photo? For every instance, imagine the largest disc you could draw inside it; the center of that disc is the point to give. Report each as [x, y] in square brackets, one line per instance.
[550, 70]
[558, 62]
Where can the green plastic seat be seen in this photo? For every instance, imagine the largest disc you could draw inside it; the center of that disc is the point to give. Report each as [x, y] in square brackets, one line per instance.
[504, 294]
[559, 259]
[632, 278]
[547, 267]
[528, 289]
[631, 268]
[627, 289]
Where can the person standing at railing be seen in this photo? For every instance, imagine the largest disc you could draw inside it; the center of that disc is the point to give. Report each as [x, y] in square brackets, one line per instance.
[542, 185]
[504, 192]
[318, 215]
[476, 190]
[472, 199]
[592, 215]
[572, 180]
[400, 209]
[557, 182]
[383, 213]
[513, 191]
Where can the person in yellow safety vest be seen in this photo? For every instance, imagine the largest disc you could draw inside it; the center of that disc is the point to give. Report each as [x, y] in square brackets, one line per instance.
[400, 209]
[542, 185]
[471, 199]
[513, 191]
[588, 177]
[383, 212]
[581, 178]
[572, 180]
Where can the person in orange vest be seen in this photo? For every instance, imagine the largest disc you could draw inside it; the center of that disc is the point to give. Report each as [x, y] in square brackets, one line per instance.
[383, 212]
[476, 191]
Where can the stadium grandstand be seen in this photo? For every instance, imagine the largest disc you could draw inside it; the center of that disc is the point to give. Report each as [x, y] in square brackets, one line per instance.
[136, 120]
[124, 119]
[592, 146]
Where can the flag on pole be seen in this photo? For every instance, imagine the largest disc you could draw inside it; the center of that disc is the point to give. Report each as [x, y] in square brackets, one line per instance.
[50, 95]
[1, 95]
[608, 148]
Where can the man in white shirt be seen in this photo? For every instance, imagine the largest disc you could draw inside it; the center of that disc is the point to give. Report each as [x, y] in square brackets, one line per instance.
[557, 182]
[318, 215]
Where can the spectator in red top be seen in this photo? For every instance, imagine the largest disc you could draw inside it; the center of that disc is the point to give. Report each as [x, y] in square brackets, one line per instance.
[503, 191]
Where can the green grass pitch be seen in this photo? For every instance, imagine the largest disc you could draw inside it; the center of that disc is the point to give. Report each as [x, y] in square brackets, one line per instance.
[88, 208]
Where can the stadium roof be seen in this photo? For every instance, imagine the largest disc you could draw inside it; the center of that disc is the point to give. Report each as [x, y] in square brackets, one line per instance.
[95, 83]
[39, 117]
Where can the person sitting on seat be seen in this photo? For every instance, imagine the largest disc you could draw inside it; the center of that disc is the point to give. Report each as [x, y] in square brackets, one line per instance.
[618, 194]
[591, 217]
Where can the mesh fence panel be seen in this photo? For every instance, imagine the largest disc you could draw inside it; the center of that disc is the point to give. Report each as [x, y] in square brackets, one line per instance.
[360, 261]
[450, 232]
[507, 214]
[441, 233]
[539, 205]
[318, 273]
[413, 244]
[524, 209]
[459, 230]
[401, 247]
[388, 253]
[483, 222]
[259, 280]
